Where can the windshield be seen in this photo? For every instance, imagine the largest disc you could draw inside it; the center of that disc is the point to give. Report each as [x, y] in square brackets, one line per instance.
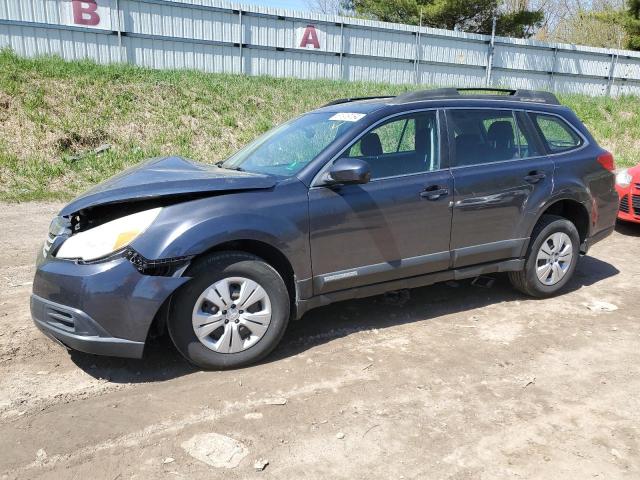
[286, 149]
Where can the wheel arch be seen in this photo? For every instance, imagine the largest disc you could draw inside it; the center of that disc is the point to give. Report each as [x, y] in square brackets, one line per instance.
[570, 208]
[266, 251]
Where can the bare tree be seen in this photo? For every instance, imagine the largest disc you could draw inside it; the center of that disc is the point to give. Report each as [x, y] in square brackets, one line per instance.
[327, 7]
[516, 5]
[577, 22]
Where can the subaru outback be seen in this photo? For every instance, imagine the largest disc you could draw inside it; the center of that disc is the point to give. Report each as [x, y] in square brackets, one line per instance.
[354, 199]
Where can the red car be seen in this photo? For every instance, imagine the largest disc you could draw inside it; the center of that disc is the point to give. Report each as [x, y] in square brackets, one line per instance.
[628, 187]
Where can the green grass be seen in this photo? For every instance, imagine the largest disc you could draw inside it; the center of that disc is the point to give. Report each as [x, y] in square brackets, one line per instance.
[54, 114]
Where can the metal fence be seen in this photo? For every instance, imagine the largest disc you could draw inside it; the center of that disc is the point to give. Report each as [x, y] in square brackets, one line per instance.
[217, 36]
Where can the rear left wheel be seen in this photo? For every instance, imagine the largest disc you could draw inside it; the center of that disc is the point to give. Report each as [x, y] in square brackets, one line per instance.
[551, 258]
[233, 313]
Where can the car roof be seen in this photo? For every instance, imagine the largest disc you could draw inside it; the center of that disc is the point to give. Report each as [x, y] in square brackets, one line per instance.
[449, 97]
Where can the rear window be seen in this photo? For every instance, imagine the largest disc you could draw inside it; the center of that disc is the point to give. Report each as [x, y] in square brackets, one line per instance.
[487, 136]
[556, 133]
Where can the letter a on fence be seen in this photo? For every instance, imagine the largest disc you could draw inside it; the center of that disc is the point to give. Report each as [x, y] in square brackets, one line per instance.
[309, 38]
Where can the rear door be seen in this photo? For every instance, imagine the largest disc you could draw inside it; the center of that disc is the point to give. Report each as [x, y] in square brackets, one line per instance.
[501, 176]
[395, 226]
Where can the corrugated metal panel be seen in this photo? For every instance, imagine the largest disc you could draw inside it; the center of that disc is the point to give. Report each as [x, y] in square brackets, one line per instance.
[583, 63]
[290, 64]
[451, 76]
[360, 41]
[521, 58]
[174, 21]
[269, 32]
[625, 88]
[627, 68]
[217, 36]
[445, 50]
[378, 70]
[580, 85]
[162, 54]
[70, 45]
[43, 11]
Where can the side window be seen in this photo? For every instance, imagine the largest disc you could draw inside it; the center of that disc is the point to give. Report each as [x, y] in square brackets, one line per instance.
[557, 135]
[401, 146]
[398, 136]
[486, 136]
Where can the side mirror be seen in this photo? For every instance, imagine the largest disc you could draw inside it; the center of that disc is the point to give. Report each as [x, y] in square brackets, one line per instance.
[349, 170]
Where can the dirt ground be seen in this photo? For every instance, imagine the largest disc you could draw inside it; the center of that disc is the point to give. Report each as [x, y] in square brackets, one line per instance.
[456, 382]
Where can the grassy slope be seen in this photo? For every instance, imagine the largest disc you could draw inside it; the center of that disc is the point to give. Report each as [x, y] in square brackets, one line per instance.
[53, 111]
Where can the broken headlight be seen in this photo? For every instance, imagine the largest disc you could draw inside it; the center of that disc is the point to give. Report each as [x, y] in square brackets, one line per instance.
[107, 238]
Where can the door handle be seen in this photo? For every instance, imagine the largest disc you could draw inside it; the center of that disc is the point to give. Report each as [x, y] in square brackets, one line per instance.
[535, 177]
[434, 192]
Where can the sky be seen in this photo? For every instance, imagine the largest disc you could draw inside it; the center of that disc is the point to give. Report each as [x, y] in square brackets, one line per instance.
[290, 4]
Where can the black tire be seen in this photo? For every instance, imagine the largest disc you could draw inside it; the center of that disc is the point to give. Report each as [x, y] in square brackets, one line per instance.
[527, 280]
[207, 271]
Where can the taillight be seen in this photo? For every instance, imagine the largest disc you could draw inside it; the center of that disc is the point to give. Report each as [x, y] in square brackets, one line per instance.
[606, 160]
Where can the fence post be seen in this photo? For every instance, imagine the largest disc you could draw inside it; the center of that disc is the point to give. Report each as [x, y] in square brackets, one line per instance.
[612, 68]
[552, 79]
[119, 27]
[341, 50]
[416, 66]
[241, 35]
[490, 53]
[416, 59]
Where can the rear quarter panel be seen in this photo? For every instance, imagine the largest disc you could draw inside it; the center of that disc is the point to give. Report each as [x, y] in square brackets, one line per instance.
[579, 175]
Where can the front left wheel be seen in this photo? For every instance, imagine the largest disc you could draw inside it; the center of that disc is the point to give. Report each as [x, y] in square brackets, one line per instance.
[233, 313]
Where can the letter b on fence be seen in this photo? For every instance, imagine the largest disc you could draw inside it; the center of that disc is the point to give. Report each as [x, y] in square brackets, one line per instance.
[85, 12]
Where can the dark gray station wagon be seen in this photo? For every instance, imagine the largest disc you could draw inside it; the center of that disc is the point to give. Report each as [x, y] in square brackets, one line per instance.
[354, 199]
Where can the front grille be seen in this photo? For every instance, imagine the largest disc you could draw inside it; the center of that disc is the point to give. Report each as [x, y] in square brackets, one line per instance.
[638, 186]
[624, 204]
[635, 202]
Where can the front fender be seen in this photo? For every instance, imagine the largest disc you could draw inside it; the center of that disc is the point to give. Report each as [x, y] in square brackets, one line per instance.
[277, 217]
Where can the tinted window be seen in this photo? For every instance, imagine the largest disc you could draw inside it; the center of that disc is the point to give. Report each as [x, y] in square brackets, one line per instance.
[401, 146]
[485, 136]
[557, 135]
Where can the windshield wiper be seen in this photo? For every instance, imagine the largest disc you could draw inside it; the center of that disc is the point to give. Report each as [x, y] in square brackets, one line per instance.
[237, 169]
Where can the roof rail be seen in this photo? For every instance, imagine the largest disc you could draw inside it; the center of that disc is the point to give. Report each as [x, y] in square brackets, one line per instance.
[355, 99]
[522, 95]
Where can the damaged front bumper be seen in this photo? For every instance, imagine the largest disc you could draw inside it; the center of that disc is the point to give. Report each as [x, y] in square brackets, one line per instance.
[102, 308]
[75, 330]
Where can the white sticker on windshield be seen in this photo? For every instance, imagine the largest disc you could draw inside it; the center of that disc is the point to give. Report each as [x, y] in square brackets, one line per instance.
[347, 117]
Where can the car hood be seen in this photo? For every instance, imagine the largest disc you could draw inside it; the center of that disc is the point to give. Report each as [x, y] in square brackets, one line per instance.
[166, 177]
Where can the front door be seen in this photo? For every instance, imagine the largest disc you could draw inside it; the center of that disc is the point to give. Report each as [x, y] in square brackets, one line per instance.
[500, 176]
[395, 226]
